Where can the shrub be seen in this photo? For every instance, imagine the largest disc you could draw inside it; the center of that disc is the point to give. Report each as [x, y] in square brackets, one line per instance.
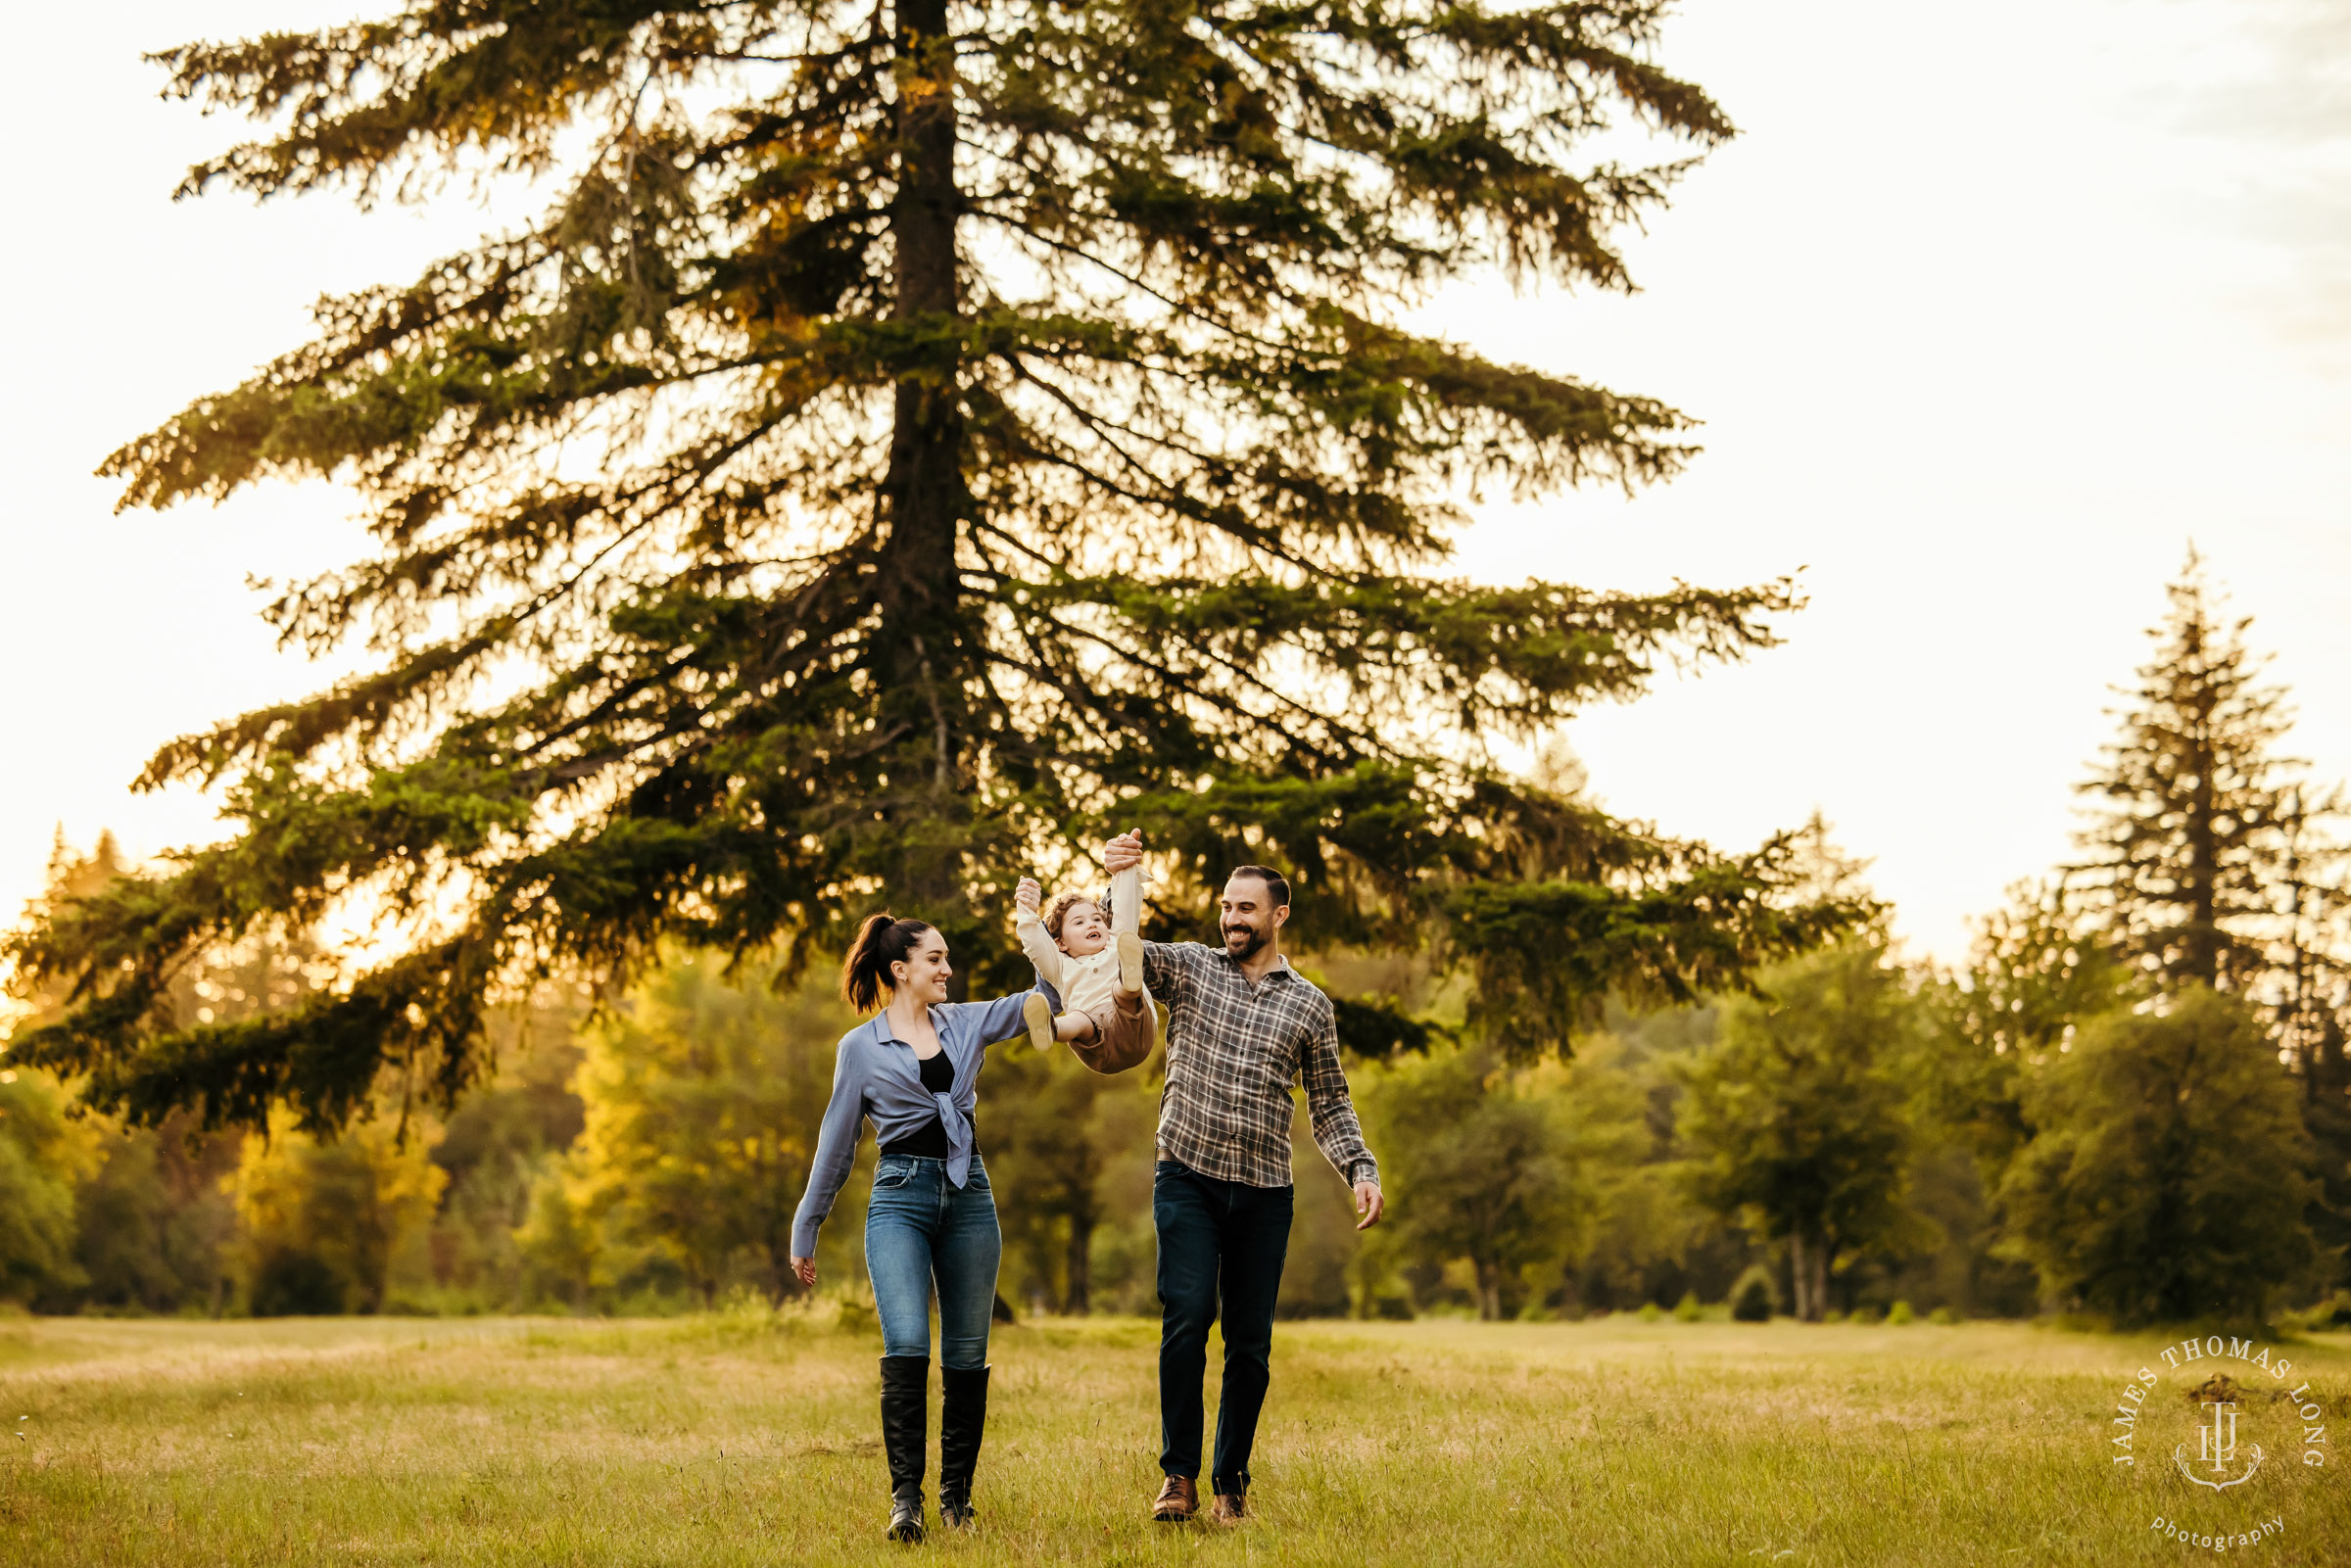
[1943, 1316]
[1687, 1309]
[2173, 1124]
[1899, 1314]
[2330, 1314]
[1652, 1313]
[291, 1284]
[1862, 1317]
[1754, 1299]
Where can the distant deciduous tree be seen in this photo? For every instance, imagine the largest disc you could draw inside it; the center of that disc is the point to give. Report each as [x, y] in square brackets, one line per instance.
[2036, 971]
[1481, 1171]
[913, 436]
[155, 1230]
[2169, 1179]
[42, 1155]
[1796, 1118]
[510, 1136]
[321, 1220]
[704, 1095]
[1049, 1130]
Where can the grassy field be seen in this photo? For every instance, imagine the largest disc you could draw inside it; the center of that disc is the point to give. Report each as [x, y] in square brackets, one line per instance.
[746, 1439]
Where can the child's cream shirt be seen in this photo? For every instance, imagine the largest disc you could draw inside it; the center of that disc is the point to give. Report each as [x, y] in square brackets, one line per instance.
[1084, 984]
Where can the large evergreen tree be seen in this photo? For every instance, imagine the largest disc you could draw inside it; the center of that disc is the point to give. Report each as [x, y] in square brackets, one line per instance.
[914, 435]
[2215, 862]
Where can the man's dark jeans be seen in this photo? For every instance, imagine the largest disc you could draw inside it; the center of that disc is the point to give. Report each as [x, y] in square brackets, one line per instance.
[1221, 1250]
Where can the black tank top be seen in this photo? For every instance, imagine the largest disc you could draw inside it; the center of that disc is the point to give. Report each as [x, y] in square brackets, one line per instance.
[929, 1141]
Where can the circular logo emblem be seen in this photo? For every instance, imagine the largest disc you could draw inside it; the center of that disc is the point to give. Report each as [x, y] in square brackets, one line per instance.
[2212, 1431]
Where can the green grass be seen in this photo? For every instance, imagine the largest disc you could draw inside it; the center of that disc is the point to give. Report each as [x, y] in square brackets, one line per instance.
[737, 1438]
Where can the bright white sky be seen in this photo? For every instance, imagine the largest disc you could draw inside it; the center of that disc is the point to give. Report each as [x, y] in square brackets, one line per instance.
[1987, 312]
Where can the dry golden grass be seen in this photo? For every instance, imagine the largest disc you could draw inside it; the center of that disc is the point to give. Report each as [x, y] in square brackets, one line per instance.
[742, 1439]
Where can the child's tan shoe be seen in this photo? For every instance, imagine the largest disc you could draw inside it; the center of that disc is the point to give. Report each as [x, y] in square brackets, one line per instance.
[1039, 1016]
[1131, 962]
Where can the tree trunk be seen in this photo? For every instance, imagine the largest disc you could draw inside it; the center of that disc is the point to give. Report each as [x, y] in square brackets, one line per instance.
[1077, 1299]
[1489, 1291]
[2202, 954]
[923, 494]
[1808, 1274]
[920, 646]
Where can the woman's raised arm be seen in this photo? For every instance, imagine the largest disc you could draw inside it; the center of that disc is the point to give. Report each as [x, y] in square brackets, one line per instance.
[999, 1019]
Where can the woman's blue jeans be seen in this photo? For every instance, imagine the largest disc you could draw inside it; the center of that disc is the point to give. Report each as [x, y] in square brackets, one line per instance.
[920, 1229]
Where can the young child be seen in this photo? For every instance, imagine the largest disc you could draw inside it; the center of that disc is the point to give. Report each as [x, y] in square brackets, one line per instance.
[1096, 964]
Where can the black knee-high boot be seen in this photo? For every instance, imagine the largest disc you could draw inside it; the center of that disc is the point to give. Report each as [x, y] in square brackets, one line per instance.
[962, 1422]
[905, 1420]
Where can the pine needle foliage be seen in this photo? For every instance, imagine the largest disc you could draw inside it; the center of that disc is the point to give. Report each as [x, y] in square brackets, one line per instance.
[2195, 816]
[915, 437]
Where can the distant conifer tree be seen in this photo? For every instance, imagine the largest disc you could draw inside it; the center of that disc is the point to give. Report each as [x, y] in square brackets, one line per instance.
[2214, 862]
[914, 439]
[2194, 809]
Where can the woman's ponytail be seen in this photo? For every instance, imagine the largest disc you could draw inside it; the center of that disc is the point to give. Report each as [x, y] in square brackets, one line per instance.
[881, 942]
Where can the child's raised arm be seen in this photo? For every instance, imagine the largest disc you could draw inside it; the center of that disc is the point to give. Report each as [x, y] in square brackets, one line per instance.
[1036, 940]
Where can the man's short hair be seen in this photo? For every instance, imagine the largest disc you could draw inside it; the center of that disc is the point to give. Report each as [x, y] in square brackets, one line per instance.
[1276, 884]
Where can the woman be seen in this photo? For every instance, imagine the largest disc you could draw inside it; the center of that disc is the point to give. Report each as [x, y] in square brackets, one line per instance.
[911, 1071]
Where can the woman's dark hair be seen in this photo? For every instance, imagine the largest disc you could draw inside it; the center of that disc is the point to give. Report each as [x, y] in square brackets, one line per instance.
[881, 942]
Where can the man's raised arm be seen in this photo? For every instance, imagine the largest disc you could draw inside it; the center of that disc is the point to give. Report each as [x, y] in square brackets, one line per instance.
[1163, 962]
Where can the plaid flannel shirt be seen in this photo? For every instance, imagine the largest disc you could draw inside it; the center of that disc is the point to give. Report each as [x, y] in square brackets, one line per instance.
[1233, 1050]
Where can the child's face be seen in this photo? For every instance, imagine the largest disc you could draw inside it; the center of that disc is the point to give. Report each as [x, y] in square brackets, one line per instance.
[1084, 930]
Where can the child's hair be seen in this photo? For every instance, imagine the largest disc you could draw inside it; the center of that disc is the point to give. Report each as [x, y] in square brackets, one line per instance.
[881, 942]
[1060, 908]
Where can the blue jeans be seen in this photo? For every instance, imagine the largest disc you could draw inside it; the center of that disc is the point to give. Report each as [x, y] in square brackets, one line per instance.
[921, 1229]
[1222, 1246]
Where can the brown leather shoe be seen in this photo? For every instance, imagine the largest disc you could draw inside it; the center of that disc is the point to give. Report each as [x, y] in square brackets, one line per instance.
[1179, 1501]
[1229, 1508]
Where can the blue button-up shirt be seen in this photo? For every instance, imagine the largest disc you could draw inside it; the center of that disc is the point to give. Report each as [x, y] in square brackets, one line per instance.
[876, 1078]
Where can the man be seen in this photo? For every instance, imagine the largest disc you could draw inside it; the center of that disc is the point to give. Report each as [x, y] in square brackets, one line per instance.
[1241, 1026]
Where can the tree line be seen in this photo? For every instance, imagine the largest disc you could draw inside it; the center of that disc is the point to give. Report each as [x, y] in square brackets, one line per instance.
[2128, 1100]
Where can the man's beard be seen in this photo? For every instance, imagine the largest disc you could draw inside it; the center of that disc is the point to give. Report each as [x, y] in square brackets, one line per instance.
[1254, 939]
